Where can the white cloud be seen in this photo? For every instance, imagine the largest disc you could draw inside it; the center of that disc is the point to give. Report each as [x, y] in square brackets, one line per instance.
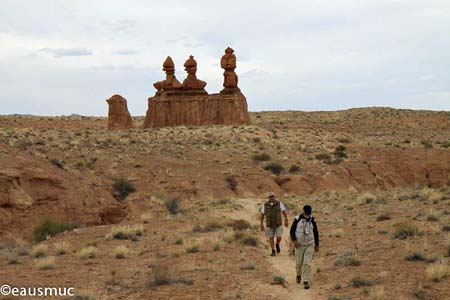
[291, 54]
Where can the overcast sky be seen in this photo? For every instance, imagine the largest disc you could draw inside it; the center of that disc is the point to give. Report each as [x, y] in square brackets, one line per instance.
[63, 57]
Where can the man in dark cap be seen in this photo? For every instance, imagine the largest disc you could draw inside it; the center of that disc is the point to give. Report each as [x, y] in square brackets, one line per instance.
[305, 235]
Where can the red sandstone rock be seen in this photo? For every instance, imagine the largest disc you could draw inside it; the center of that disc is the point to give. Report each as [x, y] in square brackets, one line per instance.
[191, 82]
[118, 114]
[191, 104]
[228, 63]
[195, 109]
[171, 81]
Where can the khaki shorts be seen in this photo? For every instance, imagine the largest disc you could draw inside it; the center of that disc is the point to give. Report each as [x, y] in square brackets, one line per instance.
[271, 232]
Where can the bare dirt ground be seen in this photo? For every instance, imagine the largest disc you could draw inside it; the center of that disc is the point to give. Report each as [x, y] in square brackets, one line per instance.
[377, 179]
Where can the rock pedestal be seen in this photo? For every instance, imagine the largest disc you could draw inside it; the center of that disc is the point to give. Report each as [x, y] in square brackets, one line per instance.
[193, 109]
[118, 115]
[191, 105]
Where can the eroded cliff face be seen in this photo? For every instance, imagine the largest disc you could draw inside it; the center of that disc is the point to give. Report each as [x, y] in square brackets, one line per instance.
[118, 115]
[31, 188]
[195, 109]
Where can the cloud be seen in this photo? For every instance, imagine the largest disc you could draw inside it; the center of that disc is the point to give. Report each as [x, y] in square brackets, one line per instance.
[63, 52]
[304, 55]
[125, 52]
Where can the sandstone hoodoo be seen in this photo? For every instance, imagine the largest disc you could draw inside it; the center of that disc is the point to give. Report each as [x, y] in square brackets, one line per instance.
[189, 104]
[118, 115]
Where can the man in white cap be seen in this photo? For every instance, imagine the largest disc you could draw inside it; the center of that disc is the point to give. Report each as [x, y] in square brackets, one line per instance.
[272, 210]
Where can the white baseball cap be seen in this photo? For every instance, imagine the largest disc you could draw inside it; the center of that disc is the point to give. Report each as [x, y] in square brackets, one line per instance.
[271, 194]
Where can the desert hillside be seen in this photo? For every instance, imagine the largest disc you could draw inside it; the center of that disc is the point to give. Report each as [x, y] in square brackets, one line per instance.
[172, 212]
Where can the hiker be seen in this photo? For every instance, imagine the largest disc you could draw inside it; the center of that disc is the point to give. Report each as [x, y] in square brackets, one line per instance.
[272, 210]
[305, 235]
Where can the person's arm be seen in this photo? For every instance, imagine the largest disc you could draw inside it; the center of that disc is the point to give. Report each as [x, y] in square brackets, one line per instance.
[316, 235]
[283, 210]
[293, 229]
[285, 218]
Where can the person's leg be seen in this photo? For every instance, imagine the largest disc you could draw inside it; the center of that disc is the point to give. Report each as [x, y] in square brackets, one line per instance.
[270, 234]
[307, 261]
[279, 234]
[299, 253]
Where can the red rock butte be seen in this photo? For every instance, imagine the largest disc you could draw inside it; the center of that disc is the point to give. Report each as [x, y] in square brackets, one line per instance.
[189, 104]
[118, 115]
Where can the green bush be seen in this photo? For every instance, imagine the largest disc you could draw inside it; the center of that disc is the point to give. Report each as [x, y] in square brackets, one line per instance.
[294, 169]
[275, 168]
[49, 227]
[360, 282]
[122, 188]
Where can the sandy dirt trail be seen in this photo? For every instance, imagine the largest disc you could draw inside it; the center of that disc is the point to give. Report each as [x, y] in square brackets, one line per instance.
[283, 264]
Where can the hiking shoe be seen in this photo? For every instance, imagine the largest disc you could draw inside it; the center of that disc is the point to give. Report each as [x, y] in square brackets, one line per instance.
[278, 248]
[306, 284]
[298, 278]
[273, 253]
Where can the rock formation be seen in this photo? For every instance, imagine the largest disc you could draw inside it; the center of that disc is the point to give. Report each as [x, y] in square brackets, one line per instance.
[190, 104]
[228, 63]
[191, 82]
[171, 82]
[118, 115]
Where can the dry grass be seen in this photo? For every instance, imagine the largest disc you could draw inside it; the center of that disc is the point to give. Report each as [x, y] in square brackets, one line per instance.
[124, 232]
[46, 263]
[376, 293]
[61, 247]
[146, 218]
[437, 271]
[121, 252]
[39, 250]
[87, 252]
[366, 198]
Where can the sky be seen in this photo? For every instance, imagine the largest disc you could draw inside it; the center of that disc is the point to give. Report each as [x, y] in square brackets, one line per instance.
[64, 57]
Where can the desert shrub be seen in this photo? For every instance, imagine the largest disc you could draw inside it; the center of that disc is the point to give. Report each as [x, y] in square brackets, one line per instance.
[192, 247]
[437, 271]
[431, 216]
[383, 217]
[376, 293]
[347, 259]
[213, 225]
[161, 275]
[45, 263]
[122, 188]
[446, 228]
[419, 293]
[366, 198]
[172, 205]
[146, 218]
[240, 224]
[278, 279]
[340, 151]
[246, 239]
[39, 250]
[49, 227]
[249, 267]
[57, 163]
[405, 230]
[121, 251]
[427, 144]
[125, 232]
[294, 169]
[87, 252]
[323, 156]
[261, 157]
[358, 281]
[61, 248]
[256, 140]
[344, 140]
[275, 168]
[418, 256]
[232, 182]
